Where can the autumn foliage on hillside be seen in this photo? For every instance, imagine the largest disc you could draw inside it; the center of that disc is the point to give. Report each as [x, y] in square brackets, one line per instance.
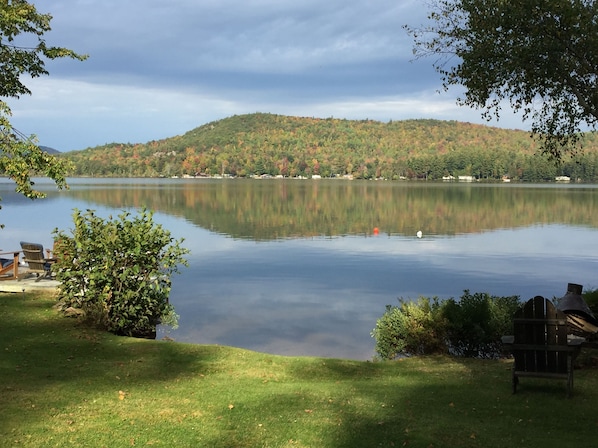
[275, 145]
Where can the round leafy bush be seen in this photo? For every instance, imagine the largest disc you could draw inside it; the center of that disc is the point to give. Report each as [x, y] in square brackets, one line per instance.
[117, 271]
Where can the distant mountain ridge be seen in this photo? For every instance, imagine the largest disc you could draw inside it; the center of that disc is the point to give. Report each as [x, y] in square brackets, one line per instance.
[269, 145]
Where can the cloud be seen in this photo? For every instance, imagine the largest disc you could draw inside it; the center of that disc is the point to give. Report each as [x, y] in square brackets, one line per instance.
[158, 69]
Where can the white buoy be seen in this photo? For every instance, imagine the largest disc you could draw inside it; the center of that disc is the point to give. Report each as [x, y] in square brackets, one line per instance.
[419, 234]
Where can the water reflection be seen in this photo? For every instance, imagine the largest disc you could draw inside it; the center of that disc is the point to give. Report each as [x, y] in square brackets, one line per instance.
[251, 284]
[281, 297]
[265, 210]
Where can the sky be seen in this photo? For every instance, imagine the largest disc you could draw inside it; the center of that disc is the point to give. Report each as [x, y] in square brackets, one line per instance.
[159, 68]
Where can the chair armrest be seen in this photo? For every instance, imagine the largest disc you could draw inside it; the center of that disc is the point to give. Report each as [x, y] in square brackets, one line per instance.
[16, 254]
[508, 339]
[13, 252]
[575, 340]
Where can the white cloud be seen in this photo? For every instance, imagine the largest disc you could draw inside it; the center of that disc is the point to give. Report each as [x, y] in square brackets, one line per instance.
[159, 69]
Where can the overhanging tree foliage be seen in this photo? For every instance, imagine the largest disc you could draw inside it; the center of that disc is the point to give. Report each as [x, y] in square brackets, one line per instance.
[539, 55]
[20, 26]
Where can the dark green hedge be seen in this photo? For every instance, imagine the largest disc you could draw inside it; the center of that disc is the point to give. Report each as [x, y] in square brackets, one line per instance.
[470, 327]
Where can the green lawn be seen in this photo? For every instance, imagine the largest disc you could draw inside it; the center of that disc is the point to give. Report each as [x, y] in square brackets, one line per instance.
[64, 385]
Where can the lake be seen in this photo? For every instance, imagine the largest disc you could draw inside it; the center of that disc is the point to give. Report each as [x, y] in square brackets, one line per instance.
[305, 267]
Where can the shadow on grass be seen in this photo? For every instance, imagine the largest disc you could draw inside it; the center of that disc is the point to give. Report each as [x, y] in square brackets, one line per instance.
[441, 401]
[43, 354]
[51, 367]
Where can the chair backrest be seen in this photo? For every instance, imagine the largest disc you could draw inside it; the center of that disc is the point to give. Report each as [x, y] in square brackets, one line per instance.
[34, 256]
[540, 337]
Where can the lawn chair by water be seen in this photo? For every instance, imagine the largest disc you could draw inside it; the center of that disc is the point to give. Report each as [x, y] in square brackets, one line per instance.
[9, 265]
[540, 344]
[34, 257]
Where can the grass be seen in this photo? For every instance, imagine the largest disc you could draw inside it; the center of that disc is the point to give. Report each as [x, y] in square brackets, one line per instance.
[62, 384]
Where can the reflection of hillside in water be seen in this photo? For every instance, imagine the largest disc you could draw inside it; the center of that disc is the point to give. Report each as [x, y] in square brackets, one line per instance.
[264, 210]
[9, 196]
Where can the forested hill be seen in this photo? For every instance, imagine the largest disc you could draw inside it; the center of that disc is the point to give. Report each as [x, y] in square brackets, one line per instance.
[275, 145]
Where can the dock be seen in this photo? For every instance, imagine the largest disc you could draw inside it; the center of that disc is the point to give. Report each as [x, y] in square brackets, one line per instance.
[27, 282]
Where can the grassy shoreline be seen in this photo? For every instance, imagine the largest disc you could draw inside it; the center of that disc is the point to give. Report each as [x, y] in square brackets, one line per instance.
[67, 385]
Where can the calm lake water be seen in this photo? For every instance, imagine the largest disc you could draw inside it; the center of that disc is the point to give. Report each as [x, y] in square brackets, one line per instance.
[296, 267]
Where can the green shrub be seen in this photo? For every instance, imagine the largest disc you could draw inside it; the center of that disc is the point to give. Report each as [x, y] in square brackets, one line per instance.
[117, 271]
[591, 298]
[412, 328]
[477, 322]
[470, 327]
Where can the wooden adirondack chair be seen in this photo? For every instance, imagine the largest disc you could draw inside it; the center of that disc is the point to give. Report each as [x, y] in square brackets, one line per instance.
[9, 266]
[540, 344]
[35, 259]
